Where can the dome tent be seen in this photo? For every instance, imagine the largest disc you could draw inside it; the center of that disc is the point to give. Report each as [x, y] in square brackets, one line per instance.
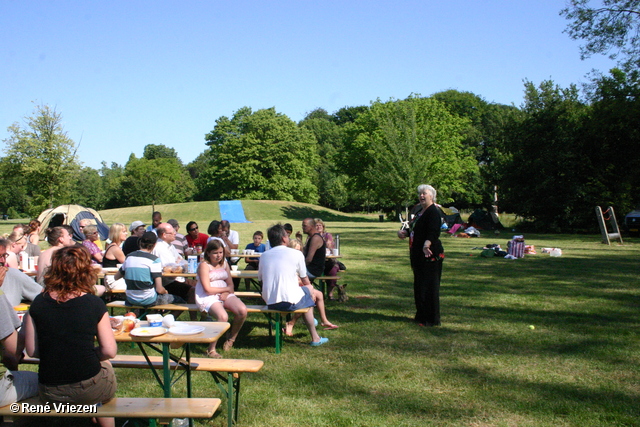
[71, 215]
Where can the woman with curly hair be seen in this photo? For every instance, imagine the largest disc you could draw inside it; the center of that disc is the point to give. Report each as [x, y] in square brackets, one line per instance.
[61, 330]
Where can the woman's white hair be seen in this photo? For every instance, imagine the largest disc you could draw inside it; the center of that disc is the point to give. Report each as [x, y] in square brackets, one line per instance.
[426, 188]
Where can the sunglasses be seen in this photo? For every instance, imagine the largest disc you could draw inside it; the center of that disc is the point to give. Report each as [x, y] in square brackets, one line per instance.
[193, 228]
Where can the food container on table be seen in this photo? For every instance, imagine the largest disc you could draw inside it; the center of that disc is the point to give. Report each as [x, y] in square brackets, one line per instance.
[21, 310]
[193, 263]
[168, 321]
[154, 320]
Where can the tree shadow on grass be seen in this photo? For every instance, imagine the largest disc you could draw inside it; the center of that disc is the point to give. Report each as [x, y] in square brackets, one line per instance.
[301, 212]
[510, 396]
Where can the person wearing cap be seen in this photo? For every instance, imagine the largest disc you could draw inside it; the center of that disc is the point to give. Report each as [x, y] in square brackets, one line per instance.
[131, 244]
[180, 242]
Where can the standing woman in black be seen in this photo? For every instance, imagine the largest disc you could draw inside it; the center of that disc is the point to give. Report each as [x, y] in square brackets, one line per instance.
[426, 254]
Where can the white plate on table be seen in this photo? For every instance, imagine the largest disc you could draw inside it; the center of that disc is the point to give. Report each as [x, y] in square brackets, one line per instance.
[184, 329]
[148, 331]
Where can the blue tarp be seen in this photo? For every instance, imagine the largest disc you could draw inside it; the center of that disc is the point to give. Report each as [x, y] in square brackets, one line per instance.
[232, 211]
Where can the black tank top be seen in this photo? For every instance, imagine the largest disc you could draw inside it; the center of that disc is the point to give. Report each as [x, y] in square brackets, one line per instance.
[109, 263]
[316, 266]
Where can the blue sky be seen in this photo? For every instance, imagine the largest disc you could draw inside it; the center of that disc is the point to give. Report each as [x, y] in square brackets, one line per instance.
[125, 74]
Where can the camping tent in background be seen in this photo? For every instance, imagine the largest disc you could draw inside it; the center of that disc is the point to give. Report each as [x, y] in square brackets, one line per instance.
[450, 215]
[71, 215]
[483, 220]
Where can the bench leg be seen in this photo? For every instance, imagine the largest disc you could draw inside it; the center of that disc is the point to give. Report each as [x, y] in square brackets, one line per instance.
[278, 332]
[275, 322]
[232, 392]
[321, 285]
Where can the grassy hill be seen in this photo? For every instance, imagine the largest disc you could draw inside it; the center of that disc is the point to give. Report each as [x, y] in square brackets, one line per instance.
[261, 213]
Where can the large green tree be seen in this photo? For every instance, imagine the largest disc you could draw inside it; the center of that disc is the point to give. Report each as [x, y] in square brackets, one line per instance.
[485, 135]
[89, 189]
[547, 178]
[15, 198]
[260, 155]
[157, 181]
[609, 27]
[159, 151]
[397, 145]
[332, 183]
[45, 157]
[612, 142]
[112, 178]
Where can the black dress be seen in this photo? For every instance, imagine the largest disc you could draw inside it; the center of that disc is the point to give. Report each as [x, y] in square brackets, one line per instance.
[427, 271]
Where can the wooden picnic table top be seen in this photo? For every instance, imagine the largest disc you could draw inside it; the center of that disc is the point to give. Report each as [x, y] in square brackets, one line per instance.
[212, 332]
[257, 255]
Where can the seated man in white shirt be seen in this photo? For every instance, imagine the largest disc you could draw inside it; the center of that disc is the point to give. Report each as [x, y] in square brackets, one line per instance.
[169, 256]
[278, 270]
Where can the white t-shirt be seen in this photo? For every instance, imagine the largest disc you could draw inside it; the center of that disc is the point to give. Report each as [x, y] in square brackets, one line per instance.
[278, 270]
[168, 254]
[234, 238]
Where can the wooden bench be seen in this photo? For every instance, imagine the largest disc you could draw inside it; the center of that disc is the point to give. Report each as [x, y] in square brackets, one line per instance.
[322, 285]
[153, 409]
[274, 316]
[248, 294]
[225, 372]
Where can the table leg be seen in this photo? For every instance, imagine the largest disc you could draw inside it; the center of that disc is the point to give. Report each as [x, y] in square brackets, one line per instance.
[166, 369]
[231, 414]
[188, 357]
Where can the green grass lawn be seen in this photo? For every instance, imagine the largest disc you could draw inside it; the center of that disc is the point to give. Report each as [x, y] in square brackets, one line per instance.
[485, 366]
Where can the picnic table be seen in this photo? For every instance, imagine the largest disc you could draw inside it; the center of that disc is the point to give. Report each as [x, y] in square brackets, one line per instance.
[212, 332]
[258, 254]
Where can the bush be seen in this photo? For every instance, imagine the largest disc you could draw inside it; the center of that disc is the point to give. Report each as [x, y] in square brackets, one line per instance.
[13, 213]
